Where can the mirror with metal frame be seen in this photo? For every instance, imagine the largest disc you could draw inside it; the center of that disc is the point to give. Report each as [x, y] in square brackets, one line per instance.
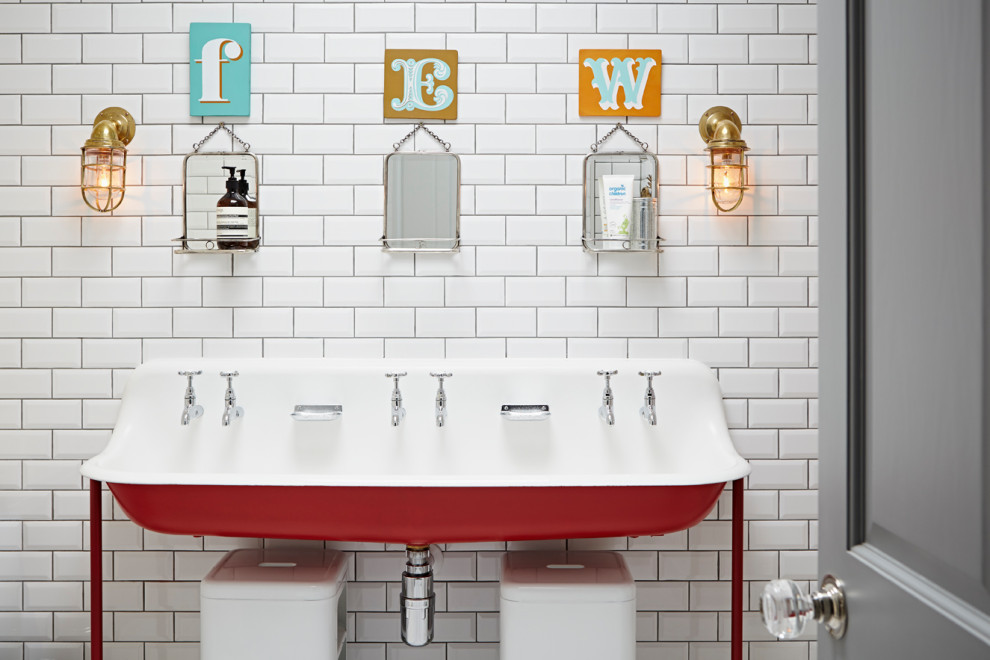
[620, 202]
[206, 194]
[422, 202]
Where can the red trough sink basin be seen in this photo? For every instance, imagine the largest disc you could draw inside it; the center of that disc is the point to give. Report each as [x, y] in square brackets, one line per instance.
[416, 515]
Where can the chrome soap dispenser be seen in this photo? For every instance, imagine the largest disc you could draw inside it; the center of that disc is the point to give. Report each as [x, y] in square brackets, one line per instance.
[232, 216]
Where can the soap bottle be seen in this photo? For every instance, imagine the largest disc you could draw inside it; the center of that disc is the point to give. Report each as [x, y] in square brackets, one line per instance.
[254, 230]
[232, 216]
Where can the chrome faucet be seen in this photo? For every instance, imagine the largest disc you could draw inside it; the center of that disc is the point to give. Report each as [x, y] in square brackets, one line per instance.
[190, 410]
[230, 410]
[607, 411]
[441, 408]
[649, 409]
[398, 412]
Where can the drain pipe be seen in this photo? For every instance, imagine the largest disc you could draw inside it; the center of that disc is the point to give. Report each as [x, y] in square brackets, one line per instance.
[417, 603]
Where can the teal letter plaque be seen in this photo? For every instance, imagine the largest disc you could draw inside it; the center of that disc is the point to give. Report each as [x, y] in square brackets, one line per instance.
[219, 69]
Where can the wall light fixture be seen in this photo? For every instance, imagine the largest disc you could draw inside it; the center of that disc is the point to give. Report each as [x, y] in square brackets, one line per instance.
[104, 159]
[728, 173]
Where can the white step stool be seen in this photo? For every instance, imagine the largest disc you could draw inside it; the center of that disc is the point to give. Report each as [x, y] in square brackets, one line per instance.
[264, 604]
[574, 605]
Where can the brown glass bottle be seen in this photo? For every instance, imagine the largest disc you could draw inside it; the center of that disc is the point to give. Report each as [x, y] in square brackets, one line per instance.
[254, 228]
[232, 216]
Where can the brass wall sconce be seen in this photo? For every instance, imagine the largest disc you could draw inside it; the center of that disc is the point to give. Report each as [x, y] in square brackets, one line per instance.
[728, 173]
[104, 159]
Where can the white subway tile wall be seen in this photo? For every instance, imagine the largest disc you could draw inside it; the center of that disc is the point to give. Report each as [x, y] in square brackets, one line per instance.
[85, 298]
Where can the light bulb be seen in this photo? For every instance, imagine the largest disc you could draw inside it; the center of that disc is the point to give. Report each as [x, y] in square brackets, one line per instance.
[103, 171]
[727, 178]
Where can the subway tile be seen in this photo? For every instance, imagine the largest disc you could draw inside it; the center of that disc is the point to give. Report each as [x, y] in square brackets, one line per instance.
[49, 596]
[778, 291]
[50, 292]
[718, 49]
[693, 322]
[394, 322]
[687, 19]
[629, 322]
[748, 383]
[747, 19]
[323, 18]
[567, 322]
[354, 47]
[778, 49]
[535, 291]
[206, 322]
[797, 19]
[142, 18]
[719, 352]
[25, 626]
[293, 292]
[506, 260]
[413, 292]
[82, 323]
[142, 322]
[778, 352]
[17, 19]
[505, 18]
[111, 292]
[717, 292]
[445, 322]
[533, 348]
[748, 261]
[393, 17]
[506, 322]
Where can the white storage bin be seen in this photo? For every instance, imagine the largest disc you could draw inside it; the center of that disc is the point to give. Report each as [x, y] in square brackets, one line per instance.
[264, 604]
[574, 605]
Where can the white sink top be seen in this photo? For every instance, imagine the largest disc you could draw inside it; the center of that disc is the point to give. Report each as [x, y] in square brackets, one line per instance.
[477, 447]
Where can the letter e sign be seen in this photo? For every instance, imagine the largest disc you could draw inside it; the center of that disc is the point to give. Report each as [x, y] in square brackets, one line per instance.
[420, 84]
[220, 69]
[619, 82]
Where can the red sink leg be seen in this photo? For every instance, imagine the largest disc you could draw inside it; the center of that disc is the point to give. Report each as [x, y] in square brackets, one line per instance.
[96, 570]
[735, 643]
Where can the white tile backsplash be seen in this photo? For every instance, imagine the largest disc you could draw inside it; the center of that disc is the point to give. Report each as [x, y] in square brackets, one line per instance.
[85, 298]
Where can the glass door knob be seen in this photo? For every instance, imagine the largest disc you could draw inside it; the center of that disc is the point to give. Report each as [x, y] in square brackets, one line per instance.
[786, 611]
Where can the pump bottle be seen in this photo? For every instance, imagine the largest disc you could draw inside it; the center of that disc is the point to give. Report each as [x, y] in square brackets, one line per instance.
[232, 216]
[254, 230]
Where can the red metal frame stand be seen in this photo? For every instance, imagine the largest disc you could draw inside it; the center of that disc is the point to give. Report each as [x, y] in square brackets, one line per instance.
[96, 569]
[735, 641]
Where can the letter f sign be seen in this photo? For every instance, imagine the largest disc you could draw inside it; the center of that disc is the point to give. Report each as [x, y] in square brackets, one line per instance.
[219, 69]
[215, 54]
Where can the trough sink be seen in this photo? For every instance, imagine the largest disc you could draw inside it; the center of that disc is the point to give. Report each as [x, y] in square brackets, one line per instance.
[482, 477]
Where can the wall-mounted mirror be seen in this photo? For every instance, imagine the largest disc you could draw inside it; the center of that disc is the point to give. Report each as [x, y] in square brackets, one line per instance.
[220, 203]
[422, 202]
[620, 201]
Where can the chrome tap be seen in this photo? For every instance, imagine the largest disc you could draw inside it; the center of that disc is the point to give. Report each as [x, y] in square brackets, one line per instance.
[230, 410]
[649, 409]
[190, 410]
[441, 409]
[398, 412]
[607, 412]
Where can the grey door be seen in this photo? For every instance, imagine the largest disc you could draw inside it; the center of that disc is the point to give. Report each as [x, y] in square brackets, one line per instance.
[905, 325]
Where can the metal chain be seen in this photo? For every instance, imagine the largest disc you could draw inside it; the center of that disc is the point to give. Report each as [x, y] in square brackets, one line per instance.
[199, 145]
[421, 125]
[619, 127]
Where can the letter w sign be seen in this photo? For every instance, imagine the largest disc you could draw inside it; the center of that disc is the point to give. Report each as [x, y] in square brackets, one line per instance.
[619, 82]
[220, 69]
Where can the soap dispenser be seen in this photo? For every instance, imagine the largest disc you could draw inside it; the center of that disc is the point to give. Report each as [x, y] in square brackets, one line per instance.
[232, 216]
[254, 230]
